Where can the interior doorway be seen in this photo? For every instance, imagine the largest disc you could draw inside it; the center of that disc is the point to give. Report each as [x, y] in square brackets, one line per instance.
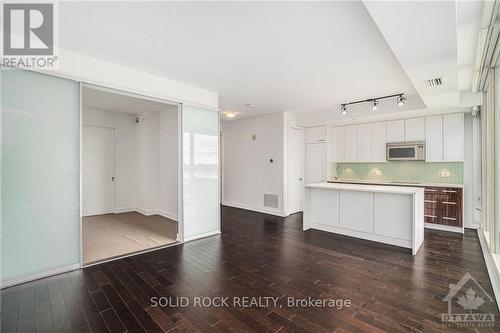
[295, 169]
[129, 174]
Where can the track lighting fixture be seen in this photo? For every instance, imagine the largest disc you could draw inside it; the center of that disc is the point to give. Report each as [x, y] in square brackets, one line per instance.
[343, 109]
[401, 100]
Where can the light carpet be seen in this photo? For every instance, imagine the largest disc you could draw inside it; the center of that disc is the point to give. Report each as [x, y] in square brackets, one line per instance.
[111, 235]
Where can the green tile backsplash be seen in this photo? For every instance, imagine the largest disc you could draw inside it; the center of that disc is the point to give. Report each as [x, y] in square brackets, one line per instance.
[401, 171]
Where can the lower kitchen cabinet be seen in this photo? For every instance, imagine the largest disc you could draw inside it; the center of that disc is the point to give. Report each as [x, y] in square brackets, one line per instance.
[443, 206]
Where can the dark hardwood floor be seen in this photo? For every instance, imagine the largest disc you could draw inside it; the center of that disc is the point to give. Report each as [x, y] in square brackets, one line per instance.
[257, 255]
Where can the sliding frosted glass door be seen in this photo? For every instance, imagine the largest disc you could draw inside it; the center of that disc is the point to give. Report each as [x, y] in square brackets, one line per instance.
[200, 172]
[40, 174]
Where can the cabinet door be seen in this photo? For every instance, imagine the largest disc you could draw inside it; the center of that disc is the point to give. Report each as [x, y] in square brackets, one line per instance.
[351, 143]
[379, 140]
[415, 129]
[434, 139]
[453, 137]
[396, 131]
[364, 142]
[338, 144]
[316, 134]
[315, 162]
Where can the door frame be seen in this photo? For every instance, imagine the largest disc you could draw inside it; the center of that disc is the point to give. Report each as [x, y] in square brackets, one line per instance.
[180, 221]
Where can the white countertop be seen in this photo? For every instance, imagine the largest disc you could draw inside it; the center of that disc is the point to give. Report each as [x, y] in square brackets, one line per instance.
[369, 182]
[368, 188]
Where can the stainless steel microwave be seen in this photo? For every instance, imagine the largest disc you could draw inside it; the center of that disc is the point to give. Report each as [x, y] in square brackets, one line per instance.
[406, 151]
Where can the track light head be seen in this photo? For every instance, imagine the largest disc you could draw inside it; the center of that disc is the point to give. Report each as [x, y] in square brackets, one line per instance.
[343, 109]
[374, 105]
[401, 100]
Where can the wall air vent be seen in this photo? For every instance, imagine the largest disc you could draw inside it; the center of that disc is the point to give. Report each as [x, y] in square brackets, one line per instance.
[434, 82]
[271, 200]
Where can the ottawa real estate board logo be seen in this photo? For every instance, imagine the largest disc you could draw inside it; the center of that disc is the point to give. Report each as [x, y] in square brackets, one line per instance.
[467, 302]
[30, 35]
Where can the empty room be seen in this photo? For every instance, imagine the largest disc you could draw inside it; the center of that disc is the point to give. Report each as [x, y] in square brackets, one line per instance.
[129, 174]
[250, 166]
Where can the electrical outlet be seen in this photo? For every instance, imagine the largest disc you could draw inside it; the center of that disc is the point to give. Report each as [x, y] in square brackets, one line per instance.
[378, 173]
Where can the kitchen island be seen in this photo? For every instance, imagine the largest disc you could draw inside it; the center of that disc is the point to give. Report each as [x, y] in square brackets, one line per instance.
[386, 214]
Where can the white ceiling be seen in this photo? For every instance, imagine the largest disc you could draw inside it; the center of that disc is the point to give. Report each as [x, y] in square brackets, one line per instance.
[107, 100]
[293, 56]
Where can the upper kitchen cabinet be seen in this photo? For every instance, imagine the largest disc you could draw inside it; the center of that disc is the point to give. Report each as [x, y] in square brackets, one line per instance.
[453, 137]
[379, 140]
[351, 143]
[316, 134]
[338, 144]
[434, 139]
[396, 131]
[415, 129]
[364, 142]
[444, 138]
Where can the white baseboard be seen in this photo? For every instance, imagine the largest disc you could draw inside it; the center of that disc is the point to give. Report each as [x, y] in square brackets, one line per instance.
[146, 212]
[168, 215]
[265, 210]
[124, 210]
[493, 272]
[443, 227]
[205, 235]
[37, 276]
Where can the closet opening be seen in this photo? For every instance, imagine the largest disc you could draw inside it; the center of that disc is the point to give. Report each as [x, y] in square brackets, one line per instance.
[129, 170]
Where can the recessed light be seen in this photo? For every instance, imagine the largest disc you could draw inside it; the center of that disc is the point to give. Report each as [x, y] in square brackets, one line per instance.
[230, 114]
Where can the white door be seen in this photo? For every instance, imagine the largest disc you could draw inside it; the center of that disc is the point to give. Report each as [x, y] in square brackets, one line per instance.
[98, 156]
[315, 162]
[294, 170]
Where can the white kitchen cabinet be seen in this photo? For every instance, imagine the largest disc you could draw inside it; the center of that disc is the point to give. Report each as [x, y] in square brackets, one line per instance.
[379, 140]
[434, 139]
[453, 137]
[364, 132]
[351, 143]
[356, 211]
[396, 131]
[316, 134]
[338, 144]
[315, 162]
[415, 129]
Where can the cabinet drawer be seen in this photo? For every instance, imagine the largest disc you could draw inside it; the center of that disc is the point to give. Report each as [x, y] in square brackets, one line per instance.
[430, 218]
[448, 209]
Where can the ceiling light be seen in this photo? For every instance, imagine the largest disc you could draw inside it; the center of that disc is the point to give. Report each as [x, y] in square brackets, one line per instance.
[374, 105]
[401, 100]
[230, 114]
[250, 105]
[343, 109]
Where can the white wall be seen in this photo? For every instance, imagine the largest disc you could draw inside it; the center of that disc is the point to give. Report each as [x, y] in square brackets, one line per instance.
[125, 153]
[145, 159]
[168, 164]
[247, 172]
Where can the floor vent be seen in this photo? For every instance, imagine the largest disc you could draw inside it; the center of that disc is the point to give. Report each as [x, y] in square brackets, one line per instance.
[271, 200]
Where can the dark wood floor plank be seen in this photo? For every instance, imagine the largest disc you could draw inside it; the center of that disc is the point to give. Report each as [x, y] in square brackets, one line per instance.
[258, 255]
